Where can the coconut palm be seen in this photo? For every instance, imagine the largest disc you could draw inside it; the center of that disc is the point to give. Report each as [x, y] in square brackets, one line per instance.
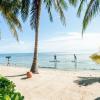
[9, 10]
[93, 8]
[59, 5]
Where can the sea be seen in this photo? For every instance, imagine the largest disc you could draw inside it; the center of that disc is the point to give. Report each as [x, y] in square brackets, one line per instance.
[63, 61]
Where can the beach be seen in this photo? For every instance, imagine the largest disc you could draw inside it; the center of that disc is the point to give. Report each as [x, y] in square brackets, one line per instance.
[53, 84]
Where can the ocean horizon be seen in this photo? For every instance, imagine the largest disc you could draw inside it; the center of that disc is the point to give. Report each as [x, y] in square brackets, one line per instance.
[65, 61]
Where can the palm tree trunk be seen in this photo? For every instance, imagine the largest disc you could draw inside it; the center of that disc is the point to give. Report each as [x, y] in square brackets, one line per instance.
[36, 10]
[34, 67]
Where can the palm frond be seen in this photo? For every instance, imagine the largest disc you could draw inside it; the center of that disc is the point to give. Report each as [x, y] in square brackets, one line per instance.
[60, 6]
[25, 9]
[73, 2]
[92, 9]
[35, 14]
[0, 2]
[81, 7]
[15, 6]
[9, 10]
[10, 15]
[48, 4]
[15, 20]
[63, 4]
[11, 26]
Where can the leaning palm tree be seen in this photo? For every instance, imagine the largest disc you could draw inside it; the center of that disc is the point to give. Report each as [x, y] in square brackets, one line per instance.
[93, 8]
[9, 10]
[59, 5]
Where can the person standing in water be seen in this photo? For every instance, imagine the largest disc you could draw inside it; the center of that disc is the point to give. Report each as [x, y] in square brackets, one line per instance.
[55, 57]
[55, 61]
[75, 61]
[8, 60]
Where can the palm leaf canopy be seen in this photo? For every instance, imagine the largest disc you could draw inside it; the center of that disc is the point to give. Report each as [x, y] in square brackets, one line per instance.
[9, 10]
[35, 14]
[25, 5]
[73, 2]
[58, 5]
[92, 9]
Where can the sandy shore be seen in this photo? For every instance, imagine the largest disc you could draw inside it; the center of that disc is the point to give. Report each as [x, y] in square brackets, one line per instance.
[53, 84]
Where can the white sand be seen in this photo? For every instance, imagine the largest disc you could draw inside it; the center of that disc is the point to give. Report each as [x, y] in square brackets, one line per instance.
[53, 84]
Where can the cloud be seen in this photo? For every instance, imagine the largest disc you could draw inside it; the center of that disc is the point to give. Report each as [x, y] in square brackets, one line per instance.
[72, 42]
[15, 47]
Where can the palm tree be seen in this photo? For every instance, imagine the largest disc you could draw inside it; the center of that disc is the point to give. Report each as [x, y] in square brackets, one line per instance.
[93, 8]
[59, 5]
[9, 10]
[35, 11]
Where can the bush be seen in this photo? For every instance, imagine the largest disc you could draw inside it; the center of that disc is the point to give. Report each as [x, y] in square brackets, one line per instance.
[7, 90]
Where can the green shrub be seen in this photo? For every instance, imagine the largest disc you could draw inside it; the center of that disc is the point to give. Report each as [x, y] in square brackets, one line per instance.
[7, 90]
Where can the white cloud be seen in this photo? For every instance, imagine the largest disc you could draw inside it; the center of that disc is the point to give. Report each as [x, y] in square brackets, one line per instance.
[72, 42]
[9, 47]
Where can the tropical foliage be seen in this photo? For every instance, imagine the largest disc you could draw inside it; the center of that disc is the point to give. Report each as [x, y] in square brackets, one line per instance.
[59, 5]
[92, 9]
[7, 90]
[35, 10]
[9, 10]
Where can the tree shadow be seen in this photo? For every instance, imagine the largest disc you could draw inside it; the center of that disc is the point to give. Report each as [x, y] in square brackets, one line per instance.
[16, 75]
[98, 98]
[85, 81]
[24, 78]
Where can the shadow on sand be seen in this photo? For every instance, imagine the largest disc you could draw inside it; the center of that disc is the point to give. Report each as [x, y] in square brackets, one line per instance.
[85, 81]
[16, 75]
[23, 78]
[98, 98]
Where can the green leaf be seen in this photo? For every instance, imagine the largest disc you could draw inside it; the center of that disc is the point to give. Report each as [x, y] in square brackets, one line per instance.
[6, 97]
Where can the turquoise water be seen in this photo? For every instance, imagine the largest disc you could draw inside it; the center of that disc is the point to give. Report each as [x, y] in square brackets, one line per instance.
[45, 60]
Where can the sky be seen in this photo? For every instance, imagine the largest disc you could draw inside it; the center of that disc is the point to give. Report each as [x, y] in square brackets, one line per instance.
[53, 36]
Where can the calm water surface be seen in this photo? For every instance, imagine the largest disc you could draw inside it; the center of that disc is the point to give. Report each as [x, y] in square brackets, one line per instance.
[65, 61]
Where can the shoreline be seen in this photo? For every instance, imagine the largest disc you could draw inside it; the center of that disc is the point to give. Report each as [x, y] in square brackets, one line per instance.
[55, 84]
[51, 68]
